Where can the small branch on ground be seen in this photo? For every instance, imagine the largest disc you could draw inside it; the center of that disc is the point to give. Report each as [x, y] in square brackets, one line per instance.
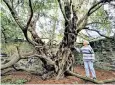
[91, 80]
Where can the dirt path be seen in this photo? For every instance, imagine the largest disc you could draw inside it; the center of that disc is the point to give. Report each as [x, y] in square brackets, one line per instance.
[34, 79]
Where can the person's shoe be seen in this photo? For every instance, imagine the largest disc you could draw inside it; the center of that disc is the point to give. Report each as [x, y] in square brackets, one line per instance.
[94, 78]
[87, 77]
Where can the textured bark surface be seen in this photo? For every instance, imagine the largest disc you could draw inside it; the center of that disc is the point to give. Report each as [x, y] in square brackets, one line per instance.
[65, 57]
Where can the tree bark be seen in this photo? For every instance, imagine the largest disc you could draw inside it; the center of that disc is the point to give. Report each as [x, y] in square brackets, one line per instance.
[65, 57]
[15, 59]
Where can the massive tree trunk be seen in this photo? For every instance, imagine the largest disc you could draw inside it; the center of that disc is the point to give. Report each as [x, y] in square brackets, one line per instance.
[64, 59]
[64, 55]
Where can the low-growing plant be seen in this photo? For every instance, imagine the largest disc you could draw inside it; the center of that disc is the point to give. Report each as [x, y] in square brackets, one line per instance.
[20, 81]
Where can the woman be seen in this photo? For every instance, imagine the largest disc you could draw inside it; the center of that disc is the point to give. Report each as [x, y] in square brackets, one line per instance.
[88, 58]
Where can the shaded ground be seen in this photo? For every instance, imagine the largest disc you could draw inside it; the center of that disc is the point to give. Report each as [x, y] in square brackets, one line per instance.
[34, 79]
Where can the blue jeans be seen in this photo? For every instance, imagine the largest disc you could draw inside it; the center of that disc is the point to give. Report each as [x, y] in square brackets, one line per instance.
[88, 65]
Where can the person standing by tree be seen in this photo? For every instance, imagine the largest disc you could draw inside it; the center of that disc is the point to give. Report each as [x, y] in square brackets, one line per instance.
[88, 58]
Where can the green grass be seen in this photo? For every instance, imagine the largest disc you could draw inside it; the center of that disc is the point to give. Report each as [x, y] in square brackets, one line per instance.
[17, 81]
[20, 81]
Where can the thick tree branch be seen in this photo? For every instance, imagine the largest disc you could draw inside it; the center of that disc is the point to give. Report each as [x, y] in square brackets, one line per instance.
[14, 14]
[17, 56]
[15, 59]
[34, 34]
[62, 10]
[97, 6]
[18, 21]
[28, 23]
[83, 21]
[31, 15]
[93, 7]
[85, 17]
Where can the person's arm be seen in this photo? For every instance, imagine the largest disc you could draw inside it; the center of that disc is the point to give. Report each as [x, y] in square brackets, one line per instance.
[78, 49]
[92, 51]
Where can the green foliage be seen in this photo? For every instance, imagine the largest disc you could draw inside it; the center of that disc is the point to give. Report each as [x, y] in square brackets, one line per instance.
[20, 81]
[101, 16]
[40, 5]
[49, 13]
[10, 48]
[9, 28]
[13, 81]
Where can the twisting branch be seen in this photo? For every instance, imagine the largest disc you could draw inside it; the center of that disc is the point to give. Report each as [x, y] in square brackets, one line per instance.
[91, 10]
[18, 21]
[30, 18]
[97, 32]
[62, 10]
[15, 59]
[85, 17]
[83, 21]
[95, 9]
[14, 14]
[96, 23]
[99, 4]
[34, 34]
[28, 23]
[94, 6]
[35, 55]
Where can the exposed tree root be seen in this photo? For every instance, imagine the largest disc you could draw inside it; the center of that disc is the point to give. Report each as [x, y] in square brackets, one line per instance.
[11, 62]
[3, 72]
[91, 80]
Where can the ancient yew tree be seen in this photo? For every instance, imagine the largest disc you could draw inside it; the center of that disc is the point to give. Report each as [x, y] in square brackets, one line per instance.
[61, 63]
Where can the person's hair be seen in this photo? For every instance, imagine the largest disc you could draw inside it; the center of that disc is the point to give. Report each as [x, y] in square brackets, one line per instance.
[86, 41]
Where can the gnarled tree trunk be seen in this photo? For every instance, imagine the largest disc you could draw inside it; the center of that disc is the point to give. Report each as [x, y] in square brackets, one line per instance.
[65, 57]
